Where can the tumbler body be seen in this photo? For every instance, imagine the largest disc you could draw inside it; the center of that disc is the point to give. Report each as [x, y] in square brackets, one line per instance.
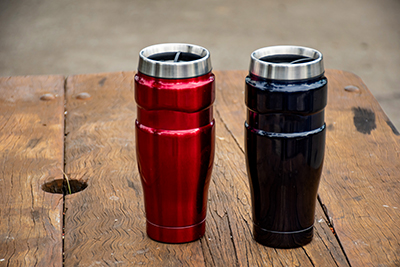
[175, 137]
[284, 145]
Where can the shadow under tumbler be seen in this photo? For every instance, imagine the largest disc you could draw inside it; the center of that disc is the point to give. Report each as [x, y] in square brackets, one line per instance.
[175, 138]
[286, 94]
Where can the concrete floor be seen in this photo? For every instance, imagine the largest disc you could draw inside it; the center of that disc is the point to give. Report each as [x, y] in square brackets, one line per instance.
[73, 37]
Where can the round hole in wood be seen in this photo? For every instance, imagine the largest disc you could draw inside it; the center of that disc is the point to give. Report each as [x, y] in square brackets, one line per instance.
[60, 186]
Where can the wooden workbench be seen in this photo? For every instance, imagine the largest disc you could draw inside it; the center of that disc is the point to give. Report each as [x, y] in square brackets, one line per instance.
[84, 126]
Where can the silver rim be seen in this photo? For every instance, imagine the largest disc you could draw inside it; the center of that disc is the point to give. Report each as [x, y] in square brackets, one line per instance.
[313, 67]
[171, 69]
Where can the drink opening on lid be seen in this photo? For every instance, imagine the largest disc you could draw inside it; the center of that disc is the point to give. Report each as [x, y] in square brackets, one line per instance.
[287, 59]
[174, 57]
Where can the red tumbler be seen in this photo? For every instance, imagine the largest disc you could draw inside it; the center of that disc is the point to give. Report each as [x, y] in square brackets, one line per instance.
[175, 138]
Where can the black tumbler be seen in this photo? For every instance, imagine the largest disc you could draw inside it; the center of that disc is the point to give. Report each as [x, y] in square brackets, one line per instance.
[286, 93]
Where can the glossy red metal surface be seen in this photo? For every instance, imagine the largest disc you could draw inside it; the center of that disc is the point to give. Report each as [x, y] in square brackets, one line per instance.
[175, 139]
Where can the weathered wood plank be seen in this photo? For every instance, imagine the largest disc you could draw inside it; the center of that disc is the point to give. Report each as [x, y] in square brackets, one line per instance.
[31, 153]
[324, 250]
[361, 178]
[105, 223]
[229, 233]
[360, 182]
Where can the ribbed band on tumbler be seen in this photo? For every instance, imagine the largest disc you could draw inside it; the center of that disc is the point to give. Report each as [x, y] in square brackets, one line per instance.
[174, 61]
[286, 94]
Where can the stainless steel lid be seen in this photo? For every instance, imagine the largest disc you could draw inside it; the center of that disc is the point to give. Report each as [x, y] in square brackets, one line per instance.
[174, 61]
[286, 62]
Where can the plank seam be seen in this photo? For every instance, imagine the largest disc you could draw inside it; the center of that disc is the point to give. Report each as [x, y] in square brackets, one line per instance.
[308, 256]
[64, 171]
[327, 248]
[330, 225]
[233, 242]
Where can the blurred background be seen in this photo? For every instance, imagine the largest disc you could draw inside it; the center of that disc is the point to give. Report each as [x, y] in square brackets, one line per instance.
[87, 36]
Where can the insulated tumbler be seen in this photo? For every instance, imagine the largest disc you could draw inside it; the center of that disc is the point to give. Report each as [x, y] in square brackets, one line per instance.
[286, 94]
[175, 138]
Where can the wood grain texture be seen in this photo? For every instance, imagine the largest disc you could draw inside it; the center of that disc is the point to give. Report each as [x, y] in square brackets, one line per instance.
[228, 237]
[360, 183]
[105, 223]
[31, 153]
[361, 178]
[324, 250]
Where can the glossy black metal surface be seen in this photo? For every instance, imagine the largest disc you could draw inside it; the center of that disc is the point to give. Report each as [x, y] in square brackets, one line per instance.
[272, 96]
[285, 146]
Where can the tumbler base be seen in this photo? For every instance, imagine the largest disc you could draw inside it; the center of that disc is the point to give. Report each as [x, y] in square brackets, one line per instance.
[283, 239]
[176, 234]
